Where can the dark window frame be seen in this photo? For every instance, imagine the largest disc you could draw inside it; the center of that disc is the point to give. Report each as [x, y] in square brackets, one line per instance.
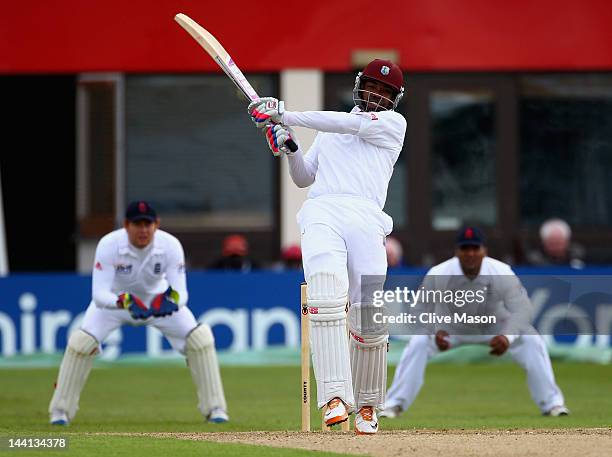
[201, 245]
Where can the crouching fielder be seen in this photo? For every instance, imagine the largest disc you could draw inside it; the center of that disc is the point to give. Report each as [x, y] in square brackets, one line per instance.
[506, 299]
[139, 279]
[343, 230]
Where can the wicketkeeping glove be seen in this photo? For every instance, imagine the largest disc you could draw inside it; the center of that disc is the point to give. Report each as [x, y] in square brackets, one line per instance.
[165, 304]
[266, 111]
[134, 305]
[277, 137]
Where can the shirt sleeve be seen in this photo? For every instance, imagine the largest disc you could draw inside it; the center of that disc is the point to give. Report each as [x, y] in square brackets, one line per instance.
[103, 275]
[324, 121]
[423, 305]
[175, 272]
[303, 167]
[518, 304]
[385, 129]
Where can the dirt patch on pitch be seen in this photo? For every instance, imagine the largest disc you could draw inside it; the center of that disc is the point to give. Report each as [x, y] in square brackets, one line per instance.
[426, 443]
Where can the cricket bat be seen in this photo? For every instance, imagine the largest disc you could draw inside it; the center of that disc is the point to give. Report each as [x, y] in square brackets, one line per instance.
[223, 59]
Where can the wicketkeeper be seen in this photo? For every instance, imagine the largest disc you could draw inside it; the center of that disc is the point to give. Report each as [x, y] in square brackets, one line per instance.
[139, 279]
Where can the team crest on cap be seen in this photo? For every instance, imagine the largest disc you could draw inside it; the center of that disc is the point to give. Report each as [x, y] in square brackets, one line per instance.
[384, 70]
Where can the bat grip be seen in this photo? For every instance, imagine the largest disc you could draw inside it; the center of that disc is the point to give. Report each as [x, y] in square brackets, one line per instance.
[291, 145]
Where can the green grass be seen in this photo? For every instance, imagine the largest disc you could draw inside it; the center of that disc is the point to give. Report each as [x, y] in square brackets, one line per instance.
[162, 399]
[133, 446]
[496, 397]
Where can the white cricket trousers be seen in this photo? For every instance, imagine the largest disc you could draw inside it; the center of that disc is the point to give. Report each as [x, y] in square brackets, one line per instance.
[100, 322]
[529, 351]
[344, 235]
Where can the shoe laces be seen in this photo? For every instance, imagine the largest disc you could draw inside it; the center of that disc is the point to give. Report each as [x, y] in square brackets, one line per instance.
[333, 403]
[366, 412]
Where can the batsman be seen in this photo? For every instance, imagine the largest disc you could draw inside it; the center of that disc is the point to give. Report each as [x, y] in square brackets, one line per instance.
[139, 279]
[343, 229]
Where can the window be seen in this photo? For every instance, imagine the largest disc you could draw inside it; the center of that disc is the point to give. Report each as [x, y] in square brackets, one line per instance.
[566, 148]
[98, 130]
[191, 151]
[463, 158]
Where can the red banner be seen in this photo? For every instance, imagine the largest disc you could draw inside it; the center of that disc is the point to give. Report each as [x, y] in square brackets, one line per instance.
[429, 35]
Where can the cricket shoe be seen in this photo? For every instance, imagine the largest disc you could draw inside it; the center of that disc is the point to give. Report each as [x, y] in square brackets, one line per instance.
[59, 417]
[336, 412]
[217, 416]
[392, 412]
[366, 422]
[556, 411]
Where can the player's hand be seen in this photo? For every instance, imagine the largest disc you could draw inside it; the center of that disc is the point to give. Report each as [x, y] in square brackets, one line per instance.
[165, 304]
[442, 340]
[499, 344]
[277, 137]
[134, 305]
[266, 111]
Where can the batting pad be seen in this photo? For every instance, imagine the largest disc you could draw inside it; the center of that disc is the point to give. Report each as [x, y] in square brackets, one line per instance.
[368, 366]
[327, 298]
[73, 373]
[202, 361]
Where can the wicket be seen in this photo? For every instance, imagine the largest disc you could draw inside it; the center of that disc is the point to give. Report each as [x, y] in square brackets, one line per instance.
[305, 388]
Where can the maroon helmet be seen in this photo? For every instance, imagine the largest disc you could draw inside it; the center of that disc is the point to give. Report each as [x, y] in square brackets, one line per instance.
[383, 71]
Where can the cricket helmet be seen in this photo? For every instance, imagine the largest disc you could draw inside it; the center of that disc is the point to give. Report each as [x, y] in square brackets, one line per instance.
[383, 71]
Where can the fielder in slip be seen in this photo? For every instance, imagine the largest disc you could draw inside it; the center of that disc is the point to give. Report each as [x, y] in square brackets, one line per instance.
[139, 279]
[471, 269]
[343, 230]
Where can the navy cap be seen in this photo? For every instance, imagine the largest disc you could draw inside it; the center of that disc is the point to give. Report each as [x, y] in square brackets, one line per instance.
[470, 236]
[140, 211]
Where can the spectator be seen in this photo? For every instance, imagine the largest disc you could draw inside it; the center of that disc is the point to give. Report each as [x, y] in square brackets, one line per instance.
[556, 246]
[395, 252]
[235, 255]
[292, 257]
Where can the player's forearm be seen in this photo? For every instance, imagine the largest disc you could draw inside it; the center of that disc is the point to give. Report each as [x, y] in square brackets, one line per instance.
[183, 295]
[177, 279]
[298, 170]
[511, 337]
[518, 306]
[102, 285]
[104, 299]
[324, 121]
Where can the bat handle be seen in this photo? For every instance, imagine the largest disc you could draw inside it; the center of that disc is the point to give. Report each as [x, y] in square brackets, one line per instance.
[291, 145]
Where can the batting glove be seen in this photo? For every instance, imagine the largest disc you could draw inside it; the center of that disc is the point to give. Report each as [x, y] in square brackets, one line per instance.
[266, 111]
[165, 304]
[277, 136]
[134, 305]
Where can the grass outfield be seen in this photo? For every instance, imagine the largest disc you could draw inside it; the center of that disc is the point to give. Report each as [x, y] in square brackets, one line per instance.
[136, 446]
[162, 399]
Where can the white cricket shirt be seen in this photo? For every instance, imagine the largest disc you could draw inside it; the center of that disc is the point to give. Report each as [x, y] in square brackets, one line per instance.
[120, 267]
[352, 155]
[507, 299]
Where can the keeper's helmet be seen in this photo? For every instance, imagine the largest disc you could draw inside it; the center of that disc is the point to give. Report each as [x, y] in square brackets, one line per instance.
[383, 71]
